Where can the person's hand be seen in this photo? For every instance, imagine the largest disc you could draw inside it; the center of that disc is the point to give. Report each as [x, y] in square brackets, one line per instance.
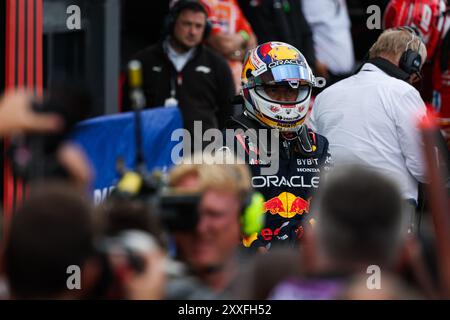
[147, 285]
[238, 55]
[17, 116]
[415, 78]
[150, 284]
[73, 159]
[262, 250]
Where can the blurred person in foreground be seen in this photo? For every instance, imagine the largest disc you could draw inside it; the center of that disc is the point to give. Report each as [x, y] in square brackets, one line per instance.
[263, 272]
[359, 224]
[392, 288]
[53, 252]
[371, 117]
[51, 231]
[211, 250]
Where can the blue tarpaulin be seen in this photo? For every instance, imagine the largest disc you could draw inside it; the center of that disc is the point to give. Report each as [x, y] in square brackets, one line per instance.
[108, 138]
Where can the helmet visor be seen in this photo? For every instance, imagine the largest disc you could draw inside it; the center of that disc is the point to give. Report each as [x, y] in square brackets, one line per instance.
[284, 73]
[284, 93]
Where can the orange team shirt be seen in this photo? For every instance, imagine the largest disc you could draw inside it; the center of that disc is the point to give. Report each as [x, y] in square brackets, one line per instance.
[227, 17]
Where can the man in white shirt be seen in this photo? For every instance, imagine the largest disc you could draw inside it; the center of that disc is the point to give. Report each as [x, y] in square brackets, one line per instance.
[371, 118]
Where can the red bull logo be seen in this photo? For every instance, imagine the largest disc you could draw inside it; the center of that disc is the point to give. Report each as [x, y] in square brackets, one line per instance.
[287, 205]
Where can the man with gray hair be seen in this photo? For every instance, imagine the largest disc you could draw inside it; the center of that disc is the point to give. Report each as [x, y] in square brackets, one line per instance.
[371, 118]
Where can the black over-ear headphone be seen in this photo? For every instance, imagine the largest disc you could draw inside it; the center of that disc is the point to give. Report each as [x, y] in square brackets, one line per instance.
[411, 60]
[180, 6]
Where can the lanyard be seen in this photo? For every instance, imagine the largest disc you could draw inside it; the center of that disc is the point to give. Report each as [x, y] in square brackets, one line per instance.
[174, 82]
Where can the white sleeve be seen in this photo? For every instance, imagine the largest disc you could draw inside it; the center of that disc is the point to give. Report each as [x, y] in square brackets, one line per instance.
[408, 110]
[318, 11]
[311, 120]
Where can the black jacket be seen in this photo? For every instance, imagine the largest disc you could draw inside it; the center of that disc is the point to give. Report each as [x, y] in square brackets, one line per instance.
[289, 192]
[280, 20]
[204, 88]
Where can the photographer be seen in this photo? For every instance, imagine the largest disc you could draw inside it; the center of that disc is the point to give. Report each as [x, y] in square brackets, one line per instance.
[136, 250]
[359, 225]
[51, 231]
[210, 250]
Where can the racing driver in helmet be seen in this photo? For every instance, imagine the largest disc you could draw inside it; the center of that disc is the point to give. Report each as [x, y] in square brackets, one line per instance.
[276, 89]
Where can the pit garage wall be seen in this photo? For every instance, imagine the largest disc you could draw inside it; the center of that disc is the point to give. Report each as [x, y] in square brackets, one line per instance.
[22, 69]
[90, 54]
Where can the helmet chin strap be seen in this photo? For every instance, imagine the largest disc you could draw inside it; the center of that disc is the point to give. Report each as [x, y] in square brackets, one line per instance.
[300, 140]
[306, 147]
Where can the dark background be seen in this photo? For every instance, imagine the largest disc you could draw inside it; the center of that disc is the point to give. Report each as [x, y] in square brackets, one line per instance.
[142, 23]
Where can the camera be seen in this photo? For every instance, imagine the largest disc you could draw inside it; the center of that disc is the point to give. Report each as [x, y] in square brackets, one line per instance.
[151, 209]
[34, 156]
[176, 211]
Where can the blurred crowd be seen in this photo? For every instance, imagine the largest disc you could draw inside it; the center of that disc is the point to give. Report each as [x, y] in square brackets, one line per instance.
[355, 210]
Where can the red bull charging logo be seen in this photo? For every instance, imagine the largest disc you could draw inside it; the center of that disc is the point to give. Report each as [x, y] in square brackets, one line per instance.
[287, 205]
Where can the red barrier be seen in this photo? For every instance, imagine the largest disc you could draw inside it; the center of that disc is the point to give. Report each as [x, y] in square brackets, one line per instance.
[439, 200]
[24, 68]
